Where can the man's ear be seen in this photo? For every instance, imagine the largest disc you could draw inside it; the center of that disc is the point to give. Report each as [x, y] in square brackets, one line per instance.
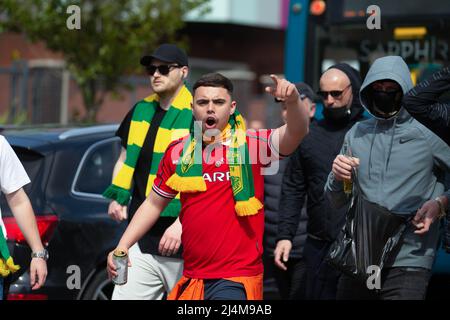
[312, 110]
[233, 107]
[185, 72]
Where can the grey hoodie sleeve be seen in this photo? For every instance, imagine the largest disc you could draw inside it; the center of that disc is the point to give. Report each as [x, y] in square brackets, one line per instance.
[334, 189]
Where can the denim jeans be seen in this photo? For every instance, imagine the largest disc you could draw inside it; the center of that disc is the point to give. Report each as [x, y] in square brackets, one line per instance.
[221, 289]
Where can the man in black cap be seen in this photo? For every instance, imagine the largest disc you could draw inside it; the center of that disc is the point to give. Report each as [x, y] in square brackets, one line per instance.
[305, 178]
[145, 133]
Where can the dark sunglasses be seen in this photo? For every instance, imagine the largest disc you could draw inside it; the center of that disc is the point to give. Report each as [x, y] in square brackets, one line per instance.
[334, 93]
[162, 69]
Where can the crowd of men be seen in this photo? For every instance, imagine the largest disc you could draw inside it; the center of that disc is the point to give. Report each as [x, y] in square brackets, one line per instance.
[211, 203]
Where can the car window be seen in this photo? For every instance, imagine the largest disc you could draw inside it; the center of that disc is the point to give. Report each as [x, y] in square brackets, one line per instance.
[33, 162]
[95, 171]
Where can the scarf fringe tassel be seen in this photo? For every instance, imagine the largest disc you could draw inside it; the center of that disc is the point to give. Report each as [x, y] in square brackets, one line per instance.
[119, 194]
[186, 184]
[8, 267]
[248, 208]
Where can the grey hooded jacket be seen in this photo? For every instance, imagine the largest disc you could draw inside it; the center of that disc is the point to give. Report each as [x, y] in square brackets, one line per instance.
[401, 165]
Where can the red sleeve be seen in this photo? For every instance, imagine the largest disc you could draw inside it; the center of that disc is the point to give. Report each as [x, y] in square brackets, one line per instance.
[166, 169]
[261, 146]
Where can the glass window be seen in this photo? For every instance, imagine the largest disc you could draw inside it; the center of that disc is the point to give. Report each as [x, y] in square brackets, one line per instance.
[97, 166]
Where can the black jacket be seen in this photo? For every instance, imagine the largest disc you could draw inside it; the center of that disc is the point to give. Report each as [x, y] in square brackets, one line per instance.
[307, 173]
[272, 194]
[422, 102]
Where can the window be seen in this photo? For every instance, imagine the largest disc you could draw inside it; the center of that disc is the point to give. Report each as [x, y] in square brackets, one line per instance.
[95, 171]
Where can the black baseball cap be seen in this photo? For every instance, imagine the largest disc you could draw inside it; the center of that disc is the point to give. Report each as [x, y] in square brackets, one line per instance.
[168, 53]
[306, 91]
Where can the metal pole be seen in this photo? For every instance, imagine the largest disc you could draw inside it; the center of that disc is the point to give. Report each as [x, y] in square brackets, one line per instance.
[64, 106]
[24, 91]
[296, 36]
[13, 100]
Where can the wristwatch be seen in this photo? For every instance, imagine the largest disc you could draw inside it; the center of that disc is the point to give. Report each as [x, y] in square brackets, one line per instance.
[43, 254]
[442, 212]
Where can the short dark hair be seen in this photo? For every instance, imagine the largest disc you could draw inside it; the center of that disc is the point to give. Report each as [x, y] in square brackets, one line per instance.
[215, 80]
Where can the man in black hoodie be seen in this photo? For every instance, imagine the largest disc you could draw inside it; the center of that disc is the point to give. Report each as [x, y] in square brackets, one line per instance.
[306, 175]
[422, 102]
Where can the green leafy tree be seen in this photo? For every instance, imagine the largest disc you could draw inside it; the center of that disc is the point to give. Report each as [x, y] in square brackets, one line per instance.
[112, 37]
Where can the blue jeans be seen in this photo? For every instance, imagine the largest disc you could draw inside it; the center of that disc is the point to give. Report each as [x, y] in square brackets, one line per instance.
[221, 289]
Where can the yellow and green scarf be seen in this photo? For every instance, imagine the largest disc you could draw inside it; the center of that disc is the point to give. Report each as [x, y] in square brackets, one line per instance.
[7, 265]
[174, 125]
[188, 176]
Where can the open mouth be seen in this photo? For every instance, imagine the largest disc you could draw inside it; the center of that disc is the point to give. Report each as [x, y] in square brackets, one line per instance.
[210, 122]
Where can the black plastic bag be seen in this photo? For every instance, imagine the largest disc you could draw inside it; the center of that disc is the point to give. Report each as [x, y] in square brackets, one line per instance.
[370, 234]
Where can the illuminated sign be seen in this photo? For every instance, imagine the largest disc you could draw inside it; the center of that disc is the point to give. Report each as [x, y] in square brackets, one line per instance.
[431, 49]
[355, 10]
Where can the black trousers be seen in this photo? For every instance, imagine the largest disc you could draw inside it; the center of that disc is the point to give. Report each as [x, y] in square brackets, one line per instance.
[321, 278]
[291, 283]
[396, 284]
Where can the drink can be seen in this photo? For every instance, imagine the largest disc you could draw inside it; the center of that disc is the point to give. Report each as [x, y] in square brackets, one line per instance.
[120, 259]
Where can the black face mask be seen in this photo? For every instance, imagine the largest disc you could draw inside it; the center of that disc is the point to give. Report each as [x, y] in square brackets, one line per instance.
[387, 101]
[337, 115]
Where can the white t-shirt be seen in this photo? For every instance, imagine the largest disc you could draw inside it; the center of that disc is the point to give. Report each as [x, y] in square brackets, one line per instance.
[12, 173]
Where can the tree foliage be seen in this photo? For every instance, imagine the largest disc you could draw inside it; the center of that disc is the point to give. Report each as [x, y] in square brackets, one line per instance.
[113, 36]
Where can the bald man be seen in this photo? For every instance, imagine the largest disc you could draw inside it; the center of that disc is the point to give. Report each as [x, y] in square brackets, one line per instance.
[305, 178]
[337, 94]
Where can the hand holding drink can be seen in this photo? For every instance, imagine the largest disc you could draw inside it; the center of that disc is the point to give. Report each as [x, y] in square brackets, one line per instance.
[120, 259]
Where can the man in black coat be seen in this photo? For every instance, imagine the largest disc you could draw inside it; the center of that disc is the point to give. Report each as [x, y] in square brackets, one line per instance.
[306, 175]
[422, 102]
[289, 280]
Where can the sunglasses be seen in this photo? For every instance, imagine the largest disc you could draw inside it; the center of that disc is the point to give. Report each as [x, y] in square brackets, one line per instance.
[163, 69]
[334, 93]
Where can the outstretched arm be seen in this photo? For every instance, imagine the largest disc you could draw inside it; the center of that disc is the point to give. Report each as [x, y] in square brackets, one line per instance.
[143, 220]
[291, 134]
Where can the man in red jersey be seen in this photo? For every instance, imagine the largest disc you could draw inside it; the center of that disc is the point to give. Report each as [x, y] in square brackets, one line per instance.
[218, 171]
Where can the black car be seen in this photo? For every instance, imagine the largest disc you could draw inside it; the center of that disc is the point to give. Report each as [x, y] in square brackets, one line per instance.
[69, 170]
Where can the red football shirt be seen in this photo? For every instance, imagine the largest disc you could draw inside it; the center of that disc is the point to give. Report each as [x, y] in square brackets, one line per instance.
[217, 243]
